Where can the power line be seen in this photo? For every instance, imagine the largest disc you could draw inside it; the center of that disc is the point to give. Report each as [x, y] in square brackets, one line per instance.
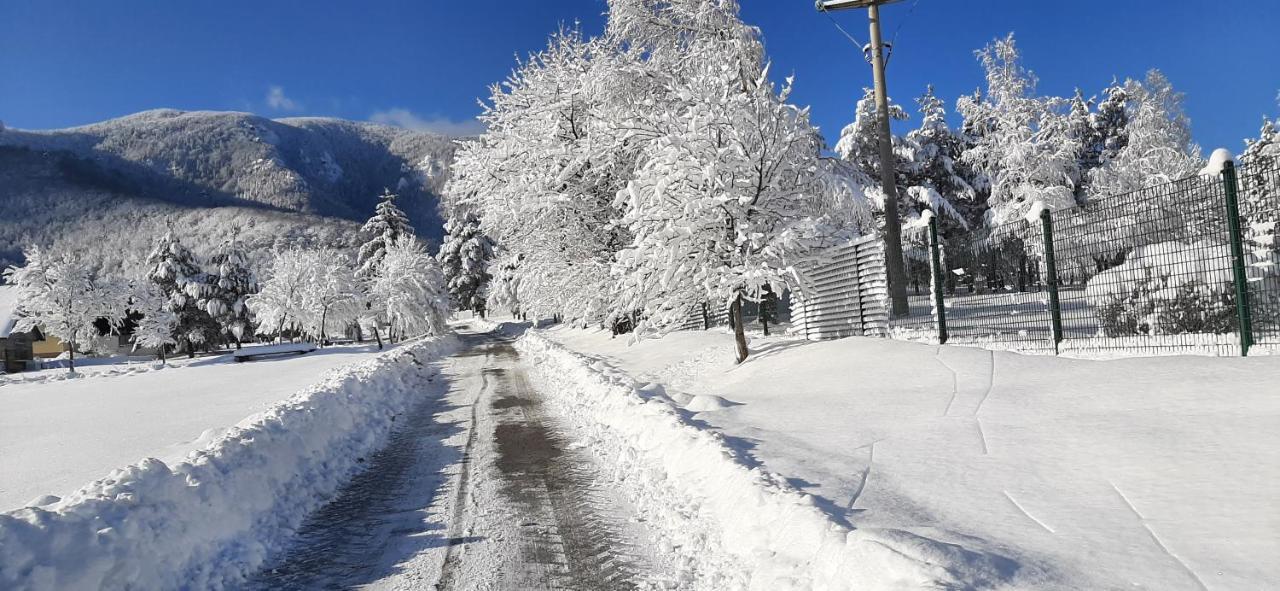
[860, 46]
[901, 23]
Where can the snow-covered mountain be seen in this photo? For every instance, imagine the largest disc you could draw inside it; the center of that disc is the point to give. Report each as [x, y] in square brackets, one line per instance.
[307, 179]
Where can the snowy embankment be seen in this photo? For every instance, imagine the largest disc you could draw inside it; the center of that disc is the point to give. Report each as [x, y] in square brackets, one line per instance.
[56, 435]
[715, 500]
[209, 521]
[1155, 473]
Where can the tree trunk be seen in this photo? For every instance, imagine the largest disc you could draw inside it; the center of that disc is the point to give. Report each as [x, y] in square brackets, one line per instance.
[739, 335]
[71, 366]
[377, 336]
[163, 361]
[323, 315]
[191, 349]
[764, 321]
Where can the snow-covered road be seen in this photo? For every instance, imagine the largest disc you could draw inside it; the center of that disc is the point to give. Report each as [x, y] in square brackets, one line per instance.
[478, 489]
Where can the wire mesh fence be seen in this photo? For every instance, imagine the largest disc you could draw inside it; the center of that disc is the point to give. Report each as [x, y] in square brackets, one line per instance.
[1188, 266]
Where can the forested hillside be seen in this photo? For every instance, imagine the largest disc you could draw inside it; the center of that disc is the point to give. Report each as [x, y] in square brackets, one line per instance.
[105, 186]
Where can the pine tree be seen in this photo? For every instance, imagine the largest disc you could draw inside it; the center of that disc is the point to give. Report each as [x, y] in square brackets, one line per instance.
[464, 257]
[387, 225]
[859, 142]
[176, 271]
[935, 164]
[1110, 124]
[231, 282]
[1259, 177]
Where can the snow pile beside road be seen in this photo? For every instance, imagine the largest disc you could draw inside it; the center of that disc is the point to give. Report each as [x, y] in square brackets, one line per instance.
[715, 500]
[210, 521]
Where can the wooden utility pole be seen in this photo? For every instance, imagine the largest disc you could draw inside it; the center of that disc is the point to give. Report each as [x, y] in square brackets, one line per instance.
[896, 269]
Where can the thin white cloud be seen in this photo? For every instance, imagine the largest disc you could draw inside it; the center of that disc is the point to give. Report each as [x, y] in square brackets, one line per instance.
[441, 125]
[277, 100]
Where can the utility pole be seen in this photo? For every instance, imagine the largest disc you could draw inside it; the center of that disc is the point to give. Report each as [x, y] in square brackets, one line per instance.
[888, 176]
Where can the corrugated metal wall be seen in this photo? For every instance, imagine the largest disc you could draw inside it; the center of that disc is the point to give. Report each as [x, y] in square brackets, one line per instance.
[842, 291]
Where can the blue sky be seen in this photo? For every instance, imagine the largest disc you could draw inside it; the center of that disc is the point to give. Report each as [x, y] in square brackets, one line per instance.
[425, 62]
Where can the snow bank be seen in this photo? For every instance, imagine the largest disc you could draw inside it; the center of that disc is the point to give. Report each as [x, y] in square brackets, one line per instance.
[213, 519]
[778, 534]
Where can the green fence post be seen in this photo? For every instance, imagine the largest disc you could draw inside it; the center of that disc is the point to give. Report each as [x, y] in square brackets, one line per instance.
[936, 273]
[1051, 270]
[1237, 257]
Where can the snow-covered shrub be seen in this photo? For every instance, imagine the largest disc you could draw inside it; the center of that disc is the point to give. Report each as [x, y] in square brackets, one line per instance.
[1173, 288]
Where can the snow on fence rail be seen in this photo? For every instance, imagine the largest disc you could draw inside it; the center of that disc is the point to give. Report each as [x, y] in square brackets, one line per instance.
[842, 291]
[212, 520]
[745, 527]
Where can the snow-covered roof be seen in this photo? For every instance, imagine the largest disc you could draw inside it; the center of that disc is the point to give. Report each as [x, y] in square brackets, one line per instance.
[8, 309]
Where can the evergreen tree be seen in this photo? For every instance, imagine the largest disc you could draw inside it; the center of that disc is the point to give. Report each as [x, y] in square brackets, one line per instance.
[464, 257]
[935, 164]
[1110, 124]
[859, 142]
[387, 225]
[1080, 128]
[176, 271]
[231, 282]
[1259, 177]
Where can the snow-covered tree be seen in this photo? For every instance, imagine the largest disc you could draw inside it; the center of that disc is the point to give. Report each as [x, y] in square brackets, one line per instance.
[934, 164]
[409, 290]
[1026, 150]
[156, 327]
[733, 186]
[331, 294]
[1157, 146]
[63, 297]
[387, 225]
[230, 282]
[561, 140]
[176, 271]
[281, 301]
[464, 256]
[504, 286]
[1259, 178]
[859, 142]
[1108, 129]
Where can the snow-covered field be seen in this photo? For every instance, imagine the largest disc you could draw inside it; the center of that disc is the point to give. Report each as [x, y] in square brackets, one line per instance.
[1153, 473]
[210, 521]
[58, 434]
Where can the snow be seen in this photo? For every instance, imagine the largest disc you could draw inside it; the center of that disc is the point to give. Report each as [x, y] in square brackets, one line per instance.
[8, 309]
[1217, 161]
[1033, 213]
[57, 434]
[723, 504]
[1149, 473]
[210, 521]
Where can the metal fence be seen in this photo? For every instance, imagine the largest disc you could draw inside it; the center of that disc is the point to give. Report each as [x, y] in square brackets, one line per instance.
[841, 292]
[1189, 266]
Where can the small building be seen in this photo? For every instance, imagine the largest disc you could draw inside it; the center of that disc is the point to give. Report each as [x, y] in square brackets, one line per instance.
[20, 350]
[16, 346]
